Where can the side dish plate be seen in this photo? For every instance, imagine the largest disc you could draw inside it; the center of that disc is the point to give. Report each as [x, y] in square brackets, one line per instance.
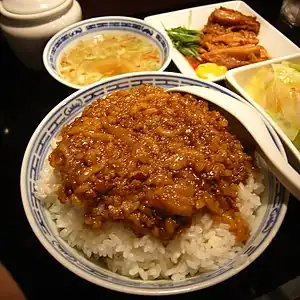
[196, 18]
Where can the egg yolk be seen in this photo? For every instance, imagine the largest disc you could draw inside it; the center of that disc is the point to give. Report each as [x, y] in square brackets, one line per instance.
[210, 70]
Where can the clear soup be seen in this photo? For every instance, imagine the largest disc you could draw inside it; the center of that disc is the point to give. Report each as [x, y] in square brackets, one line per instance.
[108, 54]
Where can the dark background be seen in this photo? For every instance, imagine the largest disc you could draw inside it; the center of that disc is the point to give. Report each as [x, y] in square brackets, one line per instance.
[26, 97]
[94, 8]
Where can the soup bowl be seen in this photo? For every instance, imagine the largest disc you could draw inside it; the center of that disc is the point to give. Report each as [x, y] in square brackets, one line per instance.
[269, 216]
[69, 36]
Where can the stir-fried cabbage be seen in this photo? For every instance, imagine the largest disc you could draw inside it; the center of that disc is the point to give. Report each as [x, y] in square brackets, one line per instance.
[277, 89]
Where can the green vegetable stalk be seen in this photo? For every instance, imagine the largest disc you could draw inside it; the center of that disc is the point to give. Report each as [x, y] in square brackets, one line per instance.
[186, 41]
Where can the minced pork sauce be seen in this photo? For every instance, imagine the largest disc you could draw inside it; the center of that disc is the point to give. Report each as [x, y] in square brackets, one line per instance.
[152, 160]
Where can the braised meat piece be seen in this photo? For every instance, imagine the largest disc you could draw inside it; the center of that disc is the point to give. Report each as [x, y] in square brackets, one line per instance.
[151, 160]
[231, 18]
[230, 39]
[235, 56]
[214, 29]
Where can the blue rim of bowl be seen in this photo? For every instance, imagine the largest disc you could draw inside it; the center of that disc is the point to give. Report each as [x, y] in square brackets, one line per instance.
[268, 227]
[161, 39]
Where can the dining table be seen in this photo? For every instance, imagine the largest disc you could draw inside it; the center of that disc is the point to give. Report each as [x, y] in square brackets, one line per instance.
[26, 96]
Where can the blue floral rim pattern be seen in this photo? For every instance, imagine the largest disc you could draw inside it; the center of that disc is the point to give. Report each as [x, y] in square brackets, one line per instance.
[94, 26]
[64, 113]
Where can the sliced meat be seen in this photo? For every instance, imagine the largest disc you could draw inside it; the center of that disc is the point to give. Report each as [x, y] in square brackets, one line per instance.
[215, 29]
[232, 39]
[235, 56]
[230, 17]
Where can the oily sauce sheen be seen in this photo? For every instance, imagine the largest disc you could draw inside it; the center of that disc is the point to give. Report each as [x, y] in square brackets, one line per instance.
[152, 160]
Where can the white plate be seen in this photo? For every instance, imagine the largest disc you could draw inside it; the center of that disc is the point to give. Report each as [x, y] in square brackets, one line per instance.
[239, 77]
[268, 34]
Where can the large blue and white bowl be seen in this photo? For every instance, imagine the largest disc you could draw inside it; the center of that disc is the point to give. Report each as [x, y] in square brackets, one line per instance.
[269, 215]
[74, 33]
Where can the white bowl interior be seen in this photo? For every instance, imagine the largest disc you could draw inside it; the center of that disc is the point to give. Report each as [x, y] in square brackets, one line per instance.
[197, 17]
[239, 78]
[269, 216]
[69, 36]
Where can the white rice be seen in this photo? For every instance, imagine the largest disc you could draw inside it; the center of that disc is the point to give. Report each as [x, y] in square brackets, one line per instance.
[203, 247]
